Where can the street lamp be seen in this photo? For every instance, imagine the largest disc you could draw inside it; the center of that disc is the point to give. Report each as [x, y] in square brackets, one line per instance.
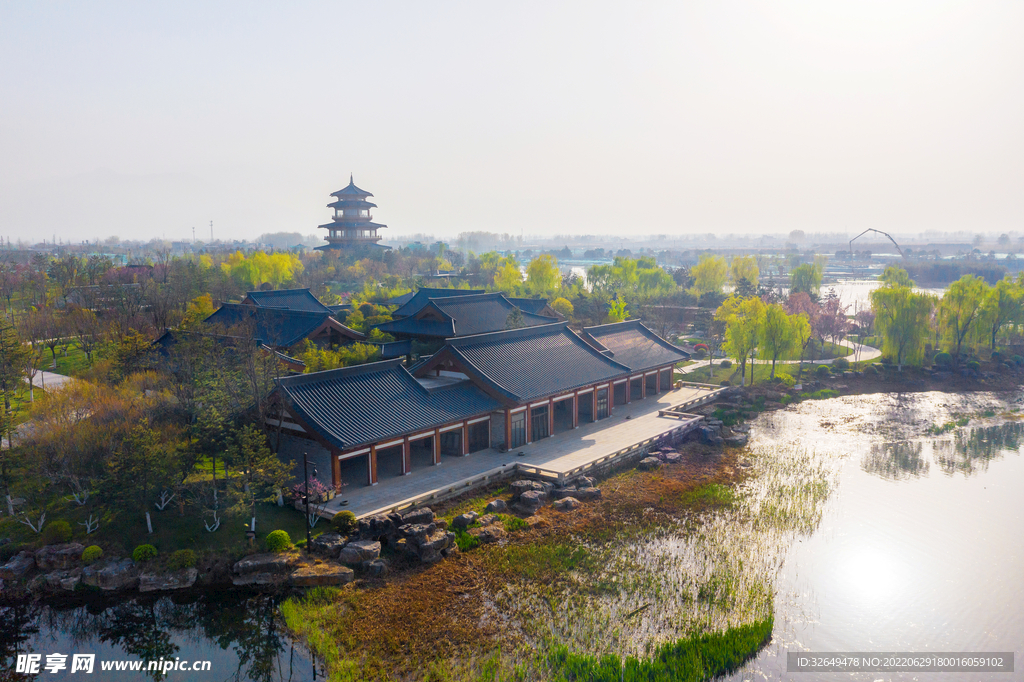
[305, 473]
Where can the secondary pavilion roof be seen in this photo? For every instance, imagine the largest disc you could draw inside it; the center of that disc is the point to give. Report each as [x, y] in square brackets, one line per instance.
[278, 327]
[523, 364]
[634, 345]
[365, 404]
[292, 299]
[461, 316]
[423, 296]
[531, 305]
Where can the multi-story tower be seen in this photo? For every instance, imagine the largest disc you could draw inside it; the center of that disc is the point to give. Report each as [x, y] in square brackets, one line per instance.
[352, 226]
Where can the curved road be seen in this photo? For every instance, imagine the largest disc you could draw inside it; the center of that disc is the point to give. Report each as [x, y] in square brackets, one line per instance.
[860, 354]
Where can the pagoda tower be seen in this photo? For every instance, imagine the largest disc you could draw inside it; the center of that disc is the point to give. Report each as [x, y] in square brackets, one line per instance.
[352, 227]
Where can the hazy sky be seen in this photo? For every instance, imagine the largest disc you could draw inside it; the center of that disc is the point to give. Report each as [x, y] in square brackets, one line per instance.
[144, 119]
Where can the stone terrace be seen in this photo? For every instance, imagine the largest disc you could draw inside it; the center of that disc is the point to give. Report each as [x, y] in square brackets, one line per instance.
[629, 424]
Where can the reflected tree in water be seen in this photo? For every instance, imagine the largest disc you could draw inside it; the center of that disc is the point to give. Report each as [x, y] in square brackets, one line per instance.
[970, 450]
[896, 461]
[19, 623]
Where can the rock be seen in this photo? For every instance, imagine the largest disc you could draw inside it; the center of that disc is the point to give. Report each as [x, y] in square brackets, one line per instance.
[737, 441]
[588, 494]
[359, 551]
[416, 533]
[448, 551]
[111, 575]
[59, 557]
[531, 500]
[488, 519]
[17, 566]
[176, 580]
[710, 436]
[742, 428]
[567, 504]
[419, 516]
[561, 493]
[465, 520]
[257, 579]
[487, 534]
[648, 463]
[537, 522]
[496, 506]
[584, 482]
[264, 563]
[377, 527]
[673, 458]
[521, 486]
[64, 580]
[321, 574]
[328, 544]
[441, 523]
[430, 551]
[375, 569]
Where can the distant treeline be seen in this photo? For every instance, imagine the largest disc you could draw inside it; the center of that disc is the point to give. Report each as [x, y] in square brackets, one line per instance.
[929, 273]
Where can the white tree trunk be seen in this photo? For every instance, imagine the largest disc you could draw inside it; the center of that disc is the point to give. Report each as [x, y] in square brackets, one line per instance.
[149, 523]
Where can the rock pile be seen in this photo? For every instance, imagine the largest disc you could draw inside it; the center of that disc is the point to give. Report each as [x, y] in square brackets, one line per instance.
[416, 533]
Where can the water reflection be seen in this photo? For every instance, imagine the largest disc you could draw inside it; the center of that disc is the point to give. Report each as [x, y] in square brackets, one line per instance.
[896, 461]
[970, 450]
[241, 633]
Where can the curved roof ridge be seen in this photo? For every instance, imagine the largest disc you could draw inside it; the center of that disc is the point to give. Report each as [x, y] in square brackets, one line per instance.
[522, 332]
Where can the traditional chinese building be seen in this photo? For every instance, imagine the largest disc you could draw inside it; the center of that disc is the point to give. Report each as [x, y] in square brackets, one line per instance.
[352, 226]
[493, 391]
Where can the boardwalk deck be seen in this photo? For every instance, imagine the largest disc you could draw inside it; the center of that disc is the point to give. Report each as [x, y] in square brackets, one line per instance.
[561, 456]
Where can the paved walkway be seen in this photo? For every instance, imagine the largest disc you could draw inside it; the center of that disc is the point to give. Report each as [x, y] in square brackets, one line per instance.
[50, 380]
[628, 425]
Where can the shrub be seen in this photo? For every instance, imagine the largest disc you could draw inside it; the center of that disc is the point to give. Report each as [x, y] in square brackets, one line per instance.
[725, 382]
[57, 532]
[91, 554]
[726, 364]
[942, 359]
[182, 559]
[886, 360]
[344, 522]
[1017, 360]
[974, 365]
[699, 354]
[821, 371]
[871, 370]
[465, 541]
[842, 364]
[785, 380]
[277, 541]
[143, 553]
[996, 356]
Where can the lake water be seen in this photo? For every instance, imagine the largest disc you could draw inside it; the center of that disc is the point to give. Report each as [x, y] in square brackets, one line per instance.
[239, 633]
[920, 547]
[917, 546]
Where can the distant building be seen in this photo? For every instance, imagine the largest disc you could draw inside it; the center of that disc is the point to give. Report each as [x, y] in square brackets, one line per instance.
[352, 227]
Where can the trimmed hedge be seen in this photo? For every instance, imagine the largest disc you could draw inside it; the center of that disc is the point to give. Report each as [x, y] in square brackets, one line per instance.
[144, 553]
[821, 371]
[182, 559]
[277, 541]
[841, 364]
[92, 554]
[344, 522]
[57, 532]
[942, 359]
[727, 363]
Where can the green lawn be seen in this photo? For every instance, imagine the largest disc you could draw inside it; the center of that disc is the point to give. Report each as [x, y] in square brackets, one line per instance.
[75, 362]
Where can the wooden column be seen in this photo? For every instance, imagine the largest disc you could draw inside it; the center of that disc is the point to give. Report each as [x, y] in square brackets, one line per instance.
[551, 417]
[437, 446]
[335, 469]
[593, 403]
[643, 386]
[611, 397]
[373, 464]
[657, 381]
[406, 457]
[508, 429]
[529, 424]
[576, 409]
[465, 439]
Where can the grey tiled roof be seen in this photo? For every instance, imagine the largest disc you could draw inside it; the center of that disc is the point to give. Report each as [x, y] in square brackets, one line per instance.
[293, 299]
[278, 327]
[351, 190]
[528, 363]
[530, 305]
[354, 406]
[412, 305]
[634, 345]
[462, 316]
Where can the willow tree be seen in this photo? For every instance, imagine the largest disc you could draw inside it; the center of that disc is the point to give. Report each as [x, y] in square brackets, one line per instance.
[901, 316]
[959, 311]
[743, 319]
[1002, 306]
[776, 335]
[744, 268]
[709, 274]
